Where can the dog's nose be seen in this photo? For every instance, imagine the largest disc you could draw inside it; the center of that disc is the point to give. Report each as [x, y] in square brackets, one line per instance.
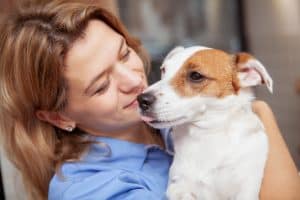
[146, 100]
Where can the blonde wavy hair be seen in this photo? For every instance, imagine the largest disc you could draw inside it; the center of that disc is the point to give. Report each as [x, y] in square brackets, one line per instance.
[33, 44]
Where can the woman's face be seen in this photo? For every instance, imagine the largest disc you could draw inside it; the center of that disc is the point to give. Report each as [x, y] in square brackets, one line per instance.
[104, 78]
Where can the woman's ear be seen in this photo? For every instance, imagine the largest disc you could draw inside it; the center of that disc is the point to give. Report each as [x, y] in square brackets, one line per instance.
[56, 119]
[251, 72]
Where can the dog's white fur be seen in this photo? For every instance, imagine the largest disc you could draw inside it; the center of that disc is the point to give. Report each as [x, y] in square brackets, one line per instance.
[220, 144]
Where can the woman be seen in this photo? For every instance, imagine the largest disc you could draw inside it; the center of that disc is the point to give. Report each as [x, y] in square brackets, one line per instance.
[70, 74]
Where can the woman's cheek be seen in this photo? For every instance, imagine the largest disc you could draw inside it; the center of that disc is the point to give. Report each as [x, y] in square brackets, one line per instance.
[109, 101]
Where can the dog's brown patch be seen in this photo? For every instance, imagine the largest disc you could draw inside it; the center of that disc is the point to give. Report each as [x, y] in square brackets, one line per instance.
[241, 58]
[218, 67]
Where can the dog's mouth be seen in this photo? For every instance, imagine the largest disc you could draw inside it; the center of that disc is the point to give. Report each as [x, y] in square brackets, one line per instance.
[162, 123]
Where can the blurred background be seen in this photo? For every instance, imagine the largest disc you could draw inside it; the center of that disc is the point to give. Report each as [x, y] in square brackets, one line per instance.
[269, 29]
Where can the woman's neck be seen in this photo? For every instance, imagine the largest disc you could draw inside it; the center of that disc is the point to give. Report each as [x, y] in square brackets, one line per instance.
[138, 133]
[144, 134]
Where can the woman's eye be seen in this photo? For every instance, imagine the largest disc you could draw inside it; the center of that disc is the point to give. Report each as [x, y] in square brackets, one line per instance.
[126, 55]
[102, 88]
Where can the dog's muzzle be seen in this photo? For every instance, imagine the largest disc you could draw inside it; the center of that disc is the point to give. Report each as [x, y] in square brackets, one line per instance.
[146, 101]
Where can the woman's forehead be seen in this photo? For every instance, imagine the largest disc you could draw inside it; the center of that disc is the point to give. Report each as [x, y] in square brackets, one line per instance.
[96, 34]
[93, 53]
[99, 44]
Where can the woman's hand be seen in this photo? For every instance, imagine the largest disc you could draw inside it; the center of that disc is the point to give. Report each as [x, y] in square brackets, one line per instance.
[281, 179]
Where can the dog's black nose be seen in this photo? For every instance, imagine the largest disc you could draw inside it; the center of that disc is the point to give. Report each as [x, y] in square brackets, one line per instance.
[146, 100]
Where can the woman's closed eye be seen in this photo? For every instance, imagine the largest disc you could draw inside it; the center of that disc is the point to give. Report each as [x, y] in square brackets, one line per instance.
[125, 56]
[102, 88]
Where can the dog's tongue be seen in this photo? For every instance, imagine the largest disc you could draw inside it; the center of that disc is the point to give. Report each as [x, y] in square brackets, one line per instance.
[147, 119]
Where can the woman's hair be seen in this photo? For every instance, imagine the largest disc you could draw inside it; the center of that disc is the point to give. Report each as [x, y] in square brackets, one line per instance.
[33, 45]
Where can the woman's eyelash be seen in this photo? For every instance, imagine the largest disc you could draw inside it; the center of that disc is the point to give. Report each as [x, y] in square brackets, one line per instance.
[126, 55]
[102, 88]
[105, 86]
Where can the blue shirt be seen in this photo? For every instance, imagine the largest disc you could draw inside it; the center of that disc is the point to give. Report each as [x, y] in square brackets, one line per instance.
[117, 169]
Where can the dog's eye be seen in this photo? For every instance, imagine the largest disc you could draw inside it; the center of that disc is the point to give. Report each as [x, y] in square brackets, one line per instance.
[195, 76]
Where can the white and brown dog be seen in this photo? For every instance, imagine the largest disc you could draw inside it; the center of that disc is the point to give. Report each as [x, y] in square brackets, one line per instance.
[220, 144]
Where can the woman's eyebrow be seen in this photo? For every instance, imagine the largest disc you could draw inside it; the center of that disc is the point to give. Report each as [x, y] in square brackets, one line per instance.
[98, 76]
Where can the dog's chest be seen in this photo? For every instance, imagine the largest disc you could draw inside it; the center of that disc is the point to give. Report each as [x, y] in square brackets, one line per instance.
[219, 161]
[219, 151]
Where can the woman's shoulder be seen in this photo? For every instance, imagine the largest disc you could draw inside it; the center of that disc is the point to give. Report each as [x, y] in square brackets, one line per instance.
[105, 184]
[86, 184]
[110, 167]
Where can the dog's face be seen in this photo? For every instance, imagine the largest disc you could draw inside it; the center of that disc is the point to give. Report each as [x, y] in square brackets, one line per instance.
[196, 79]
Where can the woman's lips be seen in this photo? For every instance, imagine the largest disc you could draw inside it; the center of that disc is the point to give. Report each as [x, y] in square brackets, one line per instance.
[133, 104]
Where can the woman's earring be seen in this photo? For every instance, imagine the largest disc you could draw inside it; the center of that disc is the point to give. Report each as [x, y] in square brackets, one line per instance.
[69, 128]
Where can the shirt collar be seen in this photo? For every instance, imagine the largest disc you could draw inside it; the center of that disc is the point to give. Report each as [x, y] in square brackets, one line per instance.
[124, 154]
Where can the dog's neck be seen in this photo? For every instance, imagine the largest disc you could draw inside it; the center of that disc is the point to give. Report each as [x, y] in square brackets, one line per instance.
[217, 116]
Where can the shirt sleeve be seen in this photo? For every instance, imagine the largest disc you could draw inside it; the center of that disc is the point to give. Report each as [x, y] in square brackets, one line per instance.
[108, 185]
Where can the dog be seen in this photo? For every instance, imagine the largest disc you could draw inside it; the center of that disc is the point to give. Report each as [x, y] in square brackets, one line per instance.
[220, 145]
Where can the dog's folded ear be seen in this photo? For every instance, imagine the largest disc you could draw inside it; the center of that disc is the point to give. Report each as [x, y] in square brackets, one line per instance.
[173, 52]
[251, 72]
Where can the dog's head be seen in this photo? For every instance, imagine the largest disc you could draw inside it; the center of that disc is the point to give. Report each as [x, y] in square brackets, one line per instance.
[196, 79]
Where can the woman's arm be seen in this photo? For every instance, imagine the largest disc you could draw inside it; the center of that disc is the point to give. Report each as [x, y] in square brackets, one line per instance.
[281, 179]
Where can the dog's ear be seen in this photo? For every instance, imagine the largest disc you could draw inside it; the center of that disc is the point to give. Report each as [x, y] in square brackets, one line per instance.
[173, 52]
[251, 72]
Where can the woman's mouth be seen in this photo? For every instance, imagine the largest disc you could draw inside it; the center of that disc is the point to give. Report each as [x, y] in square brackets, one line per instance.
[133, 104]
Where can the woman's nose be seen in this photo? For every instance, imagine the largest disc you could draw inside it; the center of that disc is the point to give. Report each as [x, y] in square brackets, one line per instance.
[129, 79]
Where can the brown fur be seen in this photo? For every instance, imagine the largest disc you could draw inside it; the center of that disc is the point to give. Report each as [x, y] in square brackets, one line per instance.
[219, 68]
[242, 57]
